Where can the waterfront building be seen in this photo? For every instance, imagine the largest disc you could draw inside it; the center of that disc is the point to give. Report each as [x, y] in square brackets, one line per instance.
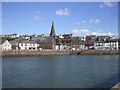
[113, 45]
[83, 39]
[6, 45]
[60, 47]
[82, 46]
[60, 36]
[102, 45]
[103, 38]
[89, 42]
[105, 43]
[67, 39]
[99, 45]
[14, 44]
[46, 43]
[78, 44]
[27, 45]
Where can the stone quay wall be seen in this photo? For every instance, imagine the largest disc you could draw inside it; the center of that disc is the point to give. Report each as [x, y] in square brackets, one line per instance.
[33, 53]
[38, 53]
[101, 52]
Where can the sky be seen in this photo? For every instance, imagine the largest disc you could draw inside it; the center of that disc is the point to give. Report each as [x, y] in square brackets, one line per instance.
[78, 18]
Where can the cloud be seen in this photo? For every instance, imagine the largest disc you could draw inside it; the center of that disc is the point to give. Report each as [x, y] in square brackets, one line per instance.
[64, 12]
[37, 17]
[81, 31]
[82, 22]
[94, 21]
[102, 33]
[84, 32]
[97, 21]
[108, 3]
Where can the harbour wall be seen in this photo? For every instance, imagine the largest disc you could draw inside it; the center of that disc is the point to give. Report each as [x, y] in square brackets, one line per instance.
[101, 52]
[33, 53]
[38, 53]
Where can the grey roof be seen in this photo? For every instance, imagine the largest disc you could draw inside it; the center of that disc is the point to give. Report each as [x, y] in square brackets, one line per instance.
[76, 41]
[47, 39]
[27, 41]
[13, 42]
[82, 43]
[22, 40]
[99, 41]
[103, 37]
[113, 40]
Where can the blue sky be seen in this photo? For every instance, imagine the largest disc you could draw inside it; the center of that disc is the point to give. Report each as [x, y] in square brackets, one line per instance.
[79, 18]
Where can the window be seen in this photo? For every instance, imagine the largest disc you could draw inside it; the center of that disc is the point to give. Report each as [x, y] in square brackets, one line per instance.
[25, 48]
[100, 43]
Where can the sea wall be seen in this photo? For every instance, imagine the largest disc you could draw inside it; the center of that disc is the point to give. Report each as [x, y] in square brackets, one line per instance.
[36, 53]
[99, 52]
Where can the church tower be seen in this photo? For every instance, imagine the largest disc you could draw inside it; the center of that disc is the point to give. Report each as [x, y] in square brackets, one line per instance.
[52, 33]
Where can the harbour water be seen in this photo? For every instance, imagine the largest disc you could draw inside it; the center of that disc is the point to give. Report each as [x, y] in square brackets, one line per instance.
[70, 71]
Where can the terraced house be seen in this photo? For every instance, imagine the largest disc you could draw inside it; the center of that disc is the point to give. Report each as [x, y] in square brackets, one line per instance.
[106, 43]
[28, 45]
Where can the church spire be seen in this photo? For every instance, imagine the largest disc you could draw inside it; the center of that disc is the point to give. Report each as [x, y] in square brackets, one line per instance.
[52, 33]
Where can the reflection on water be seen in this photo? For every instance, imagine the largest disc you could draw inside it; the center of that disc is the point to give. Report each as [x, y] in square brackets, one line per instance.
[84, 71]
